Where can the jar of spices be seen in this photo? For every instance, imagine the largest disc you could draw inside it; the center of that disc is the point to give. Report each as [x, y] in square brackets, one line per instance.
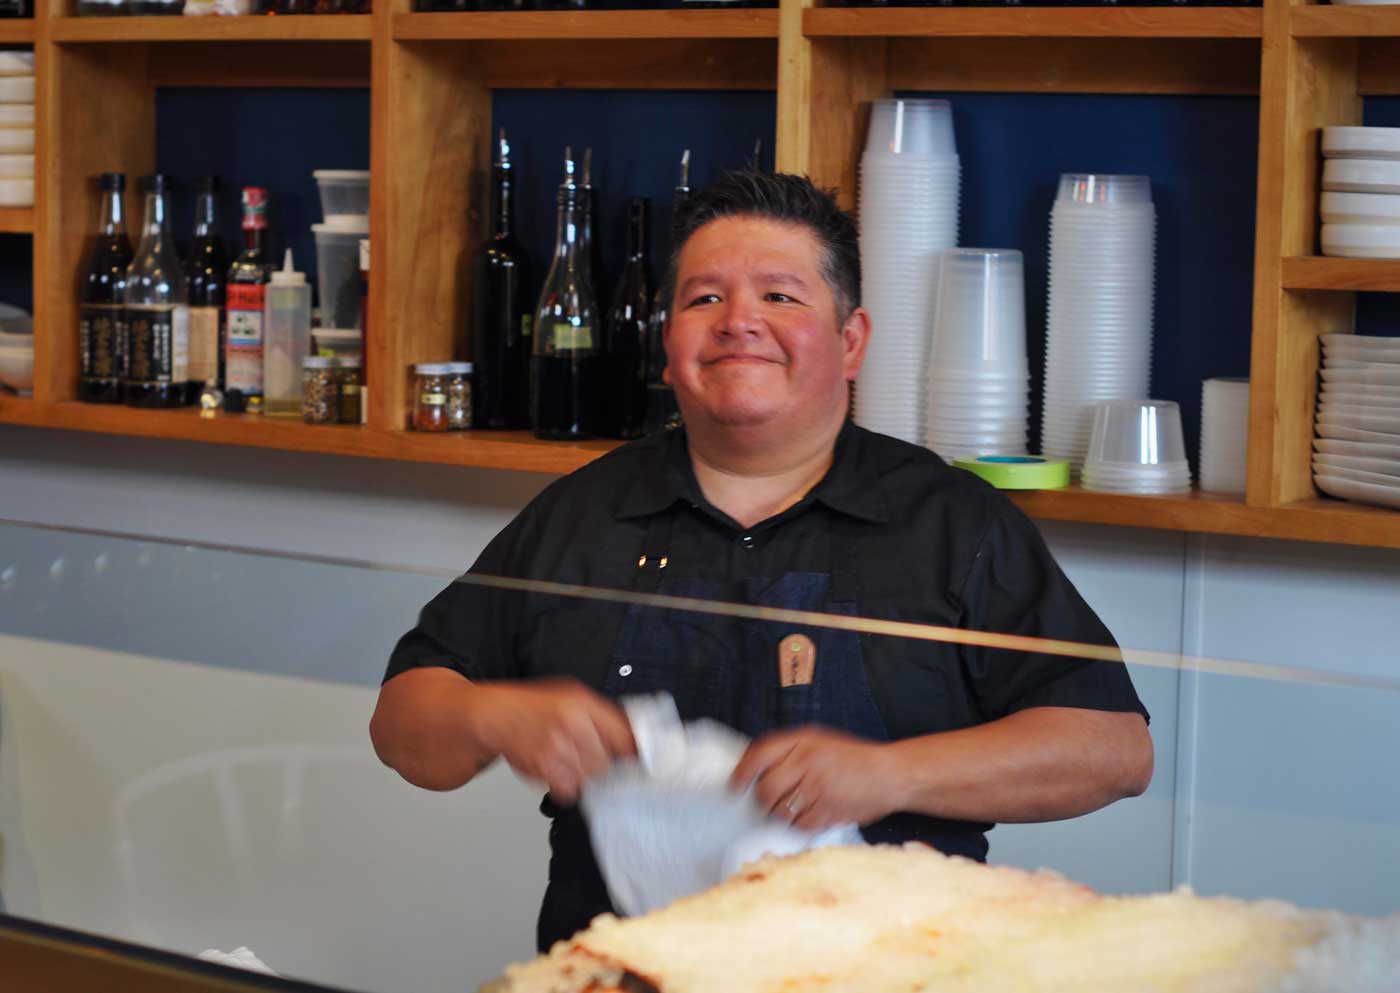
[350, 380]
[459, 396]
[430, 396]
[320, 390]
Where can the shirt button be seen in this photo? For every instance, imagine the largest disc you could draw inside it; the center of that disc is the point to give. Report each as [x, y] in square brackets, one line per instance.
[625, 670]
[747, 542]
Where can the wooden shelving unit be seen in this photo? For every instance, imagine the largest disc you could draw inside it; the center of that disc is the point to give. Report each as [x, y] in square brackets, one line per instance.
[431, 77]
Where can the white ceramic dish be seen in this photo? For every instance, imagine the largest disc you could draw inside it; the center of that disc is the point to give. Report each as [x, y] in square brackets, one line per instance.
[1386, 425]
[1357, 346]
[1374, 403]
[1360, 391]
[1361, 176]
[1341, 432]
[1361, 143]
[16, 167]
[1352, 362]
[1361, 241]
[17, 367]
[1359, 208]
[1349, 489]
[1374, 377]
[1358, 449]
[1355, 463]
[16, 63]
[17, 115]
[17, 89]
[1356, 475]
[16, 192]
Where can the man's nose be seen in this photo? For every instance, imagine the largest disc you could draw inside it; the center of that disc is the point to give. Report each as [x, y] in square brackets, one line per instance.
[740, 316]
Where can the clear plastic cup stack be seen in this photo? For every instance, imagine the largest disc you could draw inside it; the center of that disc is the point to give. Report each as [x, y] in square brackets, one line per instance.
[1137, 446]
[978, 382]
[1224, 435]
[1099, 327]
[908, 207]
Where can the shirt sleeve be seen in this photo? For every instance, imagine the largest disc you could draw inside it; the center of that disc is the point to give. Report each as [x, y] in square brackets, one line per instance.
[1014, 586]
[472, 627]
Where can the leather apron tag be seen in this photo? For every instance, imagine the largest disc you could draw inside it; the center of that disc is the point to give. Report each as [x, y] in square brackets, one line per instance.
[797, 660]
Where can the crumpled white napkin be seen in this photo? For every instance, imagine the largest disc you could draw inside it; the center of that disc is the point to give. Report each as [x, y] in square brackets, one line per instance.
[241, 958]
[667, 825]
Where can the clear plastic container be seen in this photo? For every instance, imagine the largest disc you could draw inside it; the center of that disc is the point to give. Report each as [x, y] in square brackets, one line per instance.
[911, 127]
[286, 339]
[338, 272]
[459, 396]
[1104, 188]
[429, 411]
[350, 378]
[320, 390]
[344, 193]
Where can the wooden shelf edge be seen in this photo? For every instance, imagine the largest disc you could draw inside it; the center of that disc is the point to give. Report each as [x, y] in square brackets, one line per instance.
[19, 31]
[1316, 272]
[16, 220]
[587, 24]
[1045, 22]
[343, 27]
[1326, 21]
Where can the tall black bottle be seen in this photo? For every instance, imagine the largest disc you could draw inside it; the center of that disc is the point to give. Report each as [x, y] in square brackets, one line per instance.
[500, 334]
[206, 272]
[624, 379]
[100, 342]
[662, 411]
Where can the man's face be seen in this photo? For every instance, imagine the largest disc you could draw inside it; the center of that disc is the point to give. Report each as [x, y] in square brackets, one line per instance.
[753, 338]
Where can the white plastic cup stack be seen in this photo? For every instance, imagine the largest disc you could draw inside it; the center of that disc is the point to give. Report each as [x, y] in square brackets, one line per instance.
[908, 209]
[1099, 328]
[978, 379]
[1137, 447]
[1224, 435]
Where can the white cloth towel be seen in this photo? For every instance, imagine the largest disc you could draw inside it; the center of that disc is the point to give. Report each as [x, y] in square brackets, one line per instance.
[240, 958]
[667, 825]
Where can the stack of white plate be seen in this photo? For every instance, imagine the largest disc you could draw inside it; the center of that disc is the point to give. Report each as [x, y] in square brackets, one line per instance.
[1224, 434]
[1357, 449]
[16, 129]
[16, 350]
[909, 187]
[1099, 335]
[1137, 447]
[978, 381]
[1360, 202]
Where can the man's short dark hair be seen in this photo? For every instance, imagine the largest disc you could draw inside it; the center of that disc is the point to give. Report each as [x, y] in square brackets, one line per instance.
[787, 199]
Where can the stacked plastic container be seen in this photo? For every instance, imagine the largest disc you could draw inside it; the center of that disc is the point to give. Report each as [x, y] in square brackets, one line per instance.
[16, 129]
[909, 188]
[1099, 334]
[1224, 435]
[1357, 449]
[345, 206]
[1136, 446]
[978, 379]
[1360, 202]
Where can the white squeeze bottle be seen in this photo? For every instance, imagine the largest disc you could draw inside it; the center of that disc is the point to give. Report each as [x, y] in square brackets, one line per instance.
[286, 339]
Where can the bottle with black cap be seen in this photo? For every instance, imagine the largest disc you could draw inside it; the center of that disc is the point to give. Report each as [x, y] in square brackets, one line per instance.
[207, 270]
[156, 315]
[101, 299]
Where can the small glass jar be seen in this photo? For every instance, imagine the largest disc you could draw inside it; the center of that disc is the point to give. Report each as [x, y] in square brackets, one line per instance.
[320, 390]
[430, 396]
[459, 396]
[350, 380]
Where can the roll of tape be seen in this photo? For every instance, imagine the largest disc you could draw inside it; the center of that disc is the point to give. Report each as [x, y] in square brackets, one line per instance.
[1017, 472]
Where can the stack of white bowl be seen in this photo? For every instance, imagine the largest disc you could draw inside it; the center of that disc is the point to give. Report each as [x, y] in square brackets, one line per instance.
[1357, 453]
[909, 187]
[1137, 447]
[978, 380]
[16, 350]
[16, 129]
[1360, 203]
[1099, 334]
[1224, 435]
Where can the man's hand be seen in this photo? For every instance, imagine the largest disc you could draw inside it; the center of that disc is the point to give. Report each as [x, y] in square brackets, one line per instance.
[815, 778]
[556, 732]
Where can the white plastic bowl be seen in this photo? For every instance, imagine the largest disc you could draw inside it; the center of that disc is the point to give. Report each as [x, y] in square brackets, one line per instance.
[1361, 241]
[1359, 208]
[16, 140]
[17, 367]
[16, 89]
[1361, 143]
[1361, 176]
[344, 193]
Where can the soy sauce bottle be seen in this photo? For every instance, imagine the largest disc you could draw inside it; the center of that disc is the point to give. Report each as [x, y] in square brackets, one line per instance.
[101, 354]
[156, 315]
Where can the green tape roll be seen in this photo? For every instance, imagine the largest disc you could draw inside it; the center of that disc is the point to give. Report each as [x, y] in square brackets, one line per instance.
[1017, 472]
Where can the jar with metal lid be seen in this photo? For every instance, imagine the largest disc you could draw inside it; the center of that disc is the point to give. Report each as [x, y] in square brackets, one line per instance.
[350, 380]
[459, 396]
[430, 396]
[320, 390]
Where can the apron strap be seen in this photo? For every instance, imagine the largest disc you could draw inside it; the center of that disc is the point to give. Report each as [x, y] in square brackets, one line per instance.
[656, 552]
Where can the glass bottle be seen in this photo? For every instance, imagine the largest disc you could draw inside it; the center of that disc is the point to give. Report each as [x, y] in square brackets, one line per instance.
[563, 382]
[624, 391]
[500, 344]
[661, 408]
[206, 270]
[101, 354]
[101, 8]
[157, 310]
[246, 298]
[589, 243]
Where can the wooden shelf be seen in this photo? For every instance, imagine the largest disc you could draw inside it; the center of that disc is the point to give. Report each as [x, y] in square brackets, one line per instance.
[1039, 22]
[1326, 21]
[16, 220]
[346, 27]
[1315, 272]
[588, 24]
[19, 31]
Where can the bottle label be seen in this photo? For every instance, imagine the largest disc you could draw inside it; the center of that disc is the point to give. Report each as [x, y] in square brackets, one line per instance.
[243, 354]
[433, 399]
[526, 320]
[99, 345]
[158, 339]
[204, 344]
[567, 337]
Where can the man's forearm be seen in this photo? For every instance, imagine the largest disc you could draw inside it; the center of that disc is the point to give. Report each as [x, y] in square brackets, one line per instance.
[1041, 764]
[427, 728]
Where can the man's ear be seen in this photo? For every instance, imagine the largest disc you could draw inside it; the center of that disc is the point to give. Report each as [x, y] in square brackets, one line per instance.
[855, 337]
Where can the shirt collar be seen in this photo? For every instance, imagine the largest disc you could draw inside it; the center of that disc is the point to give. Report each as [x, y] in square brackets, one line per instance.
[851, 486]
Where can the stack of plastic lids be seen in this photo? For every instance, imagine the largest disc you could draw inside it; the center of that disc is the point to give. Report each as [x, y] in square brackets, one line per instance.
[908, 206]
[1099, 334]
[1357, 449]
[16, 129]
[1360, 202]
[978, 380]
[1224, 435]
[1137, 446]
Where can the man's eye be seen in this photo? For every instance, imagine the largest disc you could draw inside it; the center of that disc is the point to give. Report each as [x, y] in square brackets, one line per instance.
[705, 298]
[778, 298]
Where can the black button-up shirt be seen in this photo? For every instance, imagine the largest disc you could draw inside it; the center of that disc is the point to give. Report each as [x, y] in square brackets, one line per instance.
[921, 541]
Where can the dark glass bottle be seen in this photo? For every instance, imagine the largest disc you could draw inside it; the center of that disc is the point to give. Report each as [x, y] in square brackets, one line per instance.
[590, 244]
[207, 269]
[245, 295]
[147, 8]
[624, 380]
[564, 369]
[561, 4]
[662, 411]
[500, 314]
[156, 315]
[101, 356]
[500, 4]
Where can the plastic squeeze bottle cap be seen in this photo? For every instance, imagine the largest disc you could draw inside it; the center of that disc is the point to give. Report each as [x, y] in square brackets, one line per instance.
[288, 275]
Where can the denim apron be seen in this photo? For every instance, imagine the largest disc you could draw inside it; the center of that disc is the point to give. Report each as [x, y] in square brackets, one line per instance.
[726, 669]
